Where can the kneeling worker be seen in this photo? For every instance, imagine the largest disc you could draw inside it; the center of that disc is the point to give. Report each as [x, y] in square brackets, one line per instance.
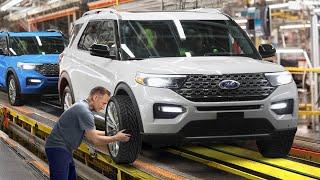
[73, 125]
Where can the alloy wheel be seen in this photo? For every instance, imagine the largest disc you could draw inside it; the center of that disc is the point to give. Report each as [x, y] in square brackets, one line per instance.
[112, 127]
[12, 91]
[67, 101]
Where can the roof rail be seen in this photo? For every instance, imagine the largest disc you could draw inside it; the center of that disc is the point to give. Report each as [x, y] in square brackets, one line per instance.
[97, 11]
[206, 10]
[58, 31]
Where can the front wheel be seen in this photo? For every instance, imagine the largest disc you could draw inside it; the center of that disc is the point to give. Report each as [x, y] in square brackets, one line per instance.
[120, 114]
[275, 147]
[14, 95]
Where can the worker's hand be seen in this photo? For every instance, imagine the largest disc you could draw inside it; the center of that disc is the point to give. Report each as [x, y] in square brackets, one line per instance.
[120, 136]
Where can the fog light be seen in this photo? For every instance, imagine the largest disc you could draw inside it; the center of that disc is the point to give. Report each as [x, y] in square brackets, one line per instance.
[282, 107]
[167, 111]
[170, 109]
[278, 106]
[33, 81]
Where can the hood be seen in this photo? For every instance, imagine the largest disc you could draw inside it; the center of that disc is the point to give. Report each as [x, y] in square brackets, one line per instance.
[206, 65]
[51, 58]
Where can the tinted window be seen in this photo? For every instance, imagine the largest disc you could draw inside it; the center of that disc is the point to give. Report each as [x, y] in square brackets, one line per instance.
[3, 44]
[160, 38]
[89, 36]
[36, 45]
[75, 30]
[106, 36]
[99, 32]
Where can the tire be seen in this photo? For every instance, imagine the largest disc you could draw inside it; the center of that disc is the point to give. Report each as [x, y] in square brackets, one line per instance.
[13, 91]
[276, 147]
[121, 109]
[67, 98]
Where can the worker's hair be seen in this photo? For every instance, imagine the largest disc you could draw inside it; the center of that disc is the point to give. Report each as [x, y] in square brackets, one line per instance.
[100, 91]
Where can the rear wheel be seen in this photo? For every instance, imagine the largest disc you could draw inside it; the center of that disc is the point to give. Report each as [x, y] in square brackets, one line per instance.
[275, 147]
[13, 90]
[67, 98]
[120, 114]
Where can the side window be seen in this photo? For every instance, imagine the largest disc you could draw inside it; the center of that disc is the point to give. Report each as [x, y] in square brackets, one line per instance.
[75, 30]
[3, 45]
[107, 36]
[89, 36]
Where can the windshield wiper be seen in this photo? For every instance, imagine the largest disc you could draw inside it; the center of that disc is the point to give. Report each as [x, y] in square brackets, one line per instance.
[217, 54]
[155, 56]
[228, 54]
[134, 58]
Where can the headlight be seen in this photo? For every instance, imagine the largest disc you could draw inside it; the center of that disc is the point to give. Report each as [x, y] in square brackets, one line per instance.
[157, 80]
[27, 65]
[279, 78]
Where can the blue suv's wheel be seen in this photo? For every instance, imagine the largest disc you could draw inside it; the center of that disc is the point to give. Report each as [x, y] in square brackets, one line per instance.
[13, 90]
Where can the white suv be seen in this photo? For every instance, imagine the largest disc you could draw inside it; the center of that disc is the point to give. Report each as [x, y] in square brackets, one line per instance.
[179, 77]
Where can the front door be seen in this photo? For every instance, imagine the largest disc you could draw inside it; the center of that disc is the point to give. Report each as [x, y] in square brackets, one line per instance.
[3, 55]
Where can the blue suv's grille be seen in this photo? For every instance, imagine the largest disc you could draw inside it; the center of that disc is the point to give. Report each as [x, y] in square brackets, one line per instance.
[205, 88]
[48, 69]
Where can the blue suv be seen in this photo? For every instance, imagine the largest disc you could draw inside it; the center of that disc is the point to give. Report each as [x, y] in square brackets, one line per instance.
[29, 63]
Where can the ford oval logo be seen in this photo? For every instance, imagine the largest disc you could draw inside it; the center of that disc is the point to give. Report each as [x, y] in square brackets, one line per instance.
[229, 84]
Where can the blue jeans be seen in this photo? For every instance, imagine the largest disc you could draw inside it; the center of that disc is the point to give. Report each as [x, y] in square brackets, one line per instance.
[61, 164]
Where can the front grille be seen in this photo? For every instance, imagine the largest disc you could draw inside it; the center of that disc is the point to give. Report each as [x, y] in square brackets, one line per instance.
[48, 69]
[228, 108]
[205, 88]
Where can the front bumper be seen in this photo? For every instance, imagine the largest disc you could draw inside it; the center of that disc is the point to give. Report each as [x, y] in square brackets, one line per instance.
[48, 85]
[180, 138]
[201, 124]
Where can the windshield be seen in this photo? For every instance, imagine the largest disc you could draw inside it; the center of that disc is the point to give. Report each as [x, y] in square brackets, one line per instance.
[160, 38]
[36, 45]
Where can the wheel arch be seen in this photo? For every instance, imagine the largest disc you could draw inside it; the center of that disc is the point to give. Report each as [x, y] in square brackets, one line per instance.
[124, 89]
[64, 80]
[11, 71]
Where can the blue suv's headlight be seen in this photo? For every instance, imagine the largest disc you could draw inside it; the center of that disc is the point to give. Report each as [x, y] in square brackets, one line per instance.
[28, 66]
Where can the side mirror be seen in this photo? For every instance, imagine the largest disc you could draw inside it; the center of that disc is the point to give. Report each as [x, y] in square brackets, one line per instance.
[100, 50]
[267, 50]
[2, 52]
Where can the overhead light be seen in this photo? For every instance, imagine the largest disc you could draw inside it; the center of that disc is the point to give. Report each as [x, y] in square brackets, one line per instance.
[295, 5]
[279, 6]
[293, 50]
[296, 26]
[241, 21]
[52, 1]
[10, 4]
[243, 27]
